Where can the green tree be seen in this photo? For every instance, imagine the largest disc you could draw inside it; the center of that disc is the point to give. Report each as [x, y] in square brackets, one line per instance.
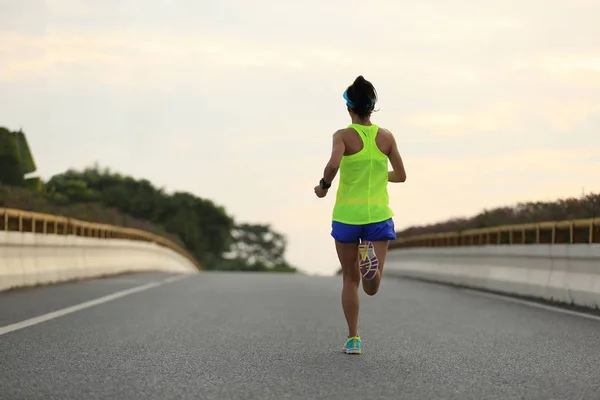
[257, 247]
[26, 158]
[16, 160]
[11, 170]
[203, 227]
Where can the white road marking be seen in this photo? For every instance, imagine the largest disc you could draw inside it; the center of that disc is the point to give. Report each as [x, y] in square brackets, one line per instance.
[59, 313]
[532, 304]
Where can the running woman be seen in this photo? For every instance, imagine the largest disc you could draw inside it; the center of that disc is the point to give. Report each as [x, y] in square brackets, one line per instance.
[362, 223]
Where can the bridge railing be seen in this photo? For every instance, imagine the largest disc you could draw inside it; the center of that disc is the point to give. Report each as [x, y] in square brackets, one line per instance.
[12, 220]
[552, 232]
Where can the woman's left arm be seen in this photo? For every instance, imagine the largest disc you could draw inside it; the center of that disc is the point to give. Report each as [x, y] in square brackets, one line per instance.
[333, 165]
[337, 152]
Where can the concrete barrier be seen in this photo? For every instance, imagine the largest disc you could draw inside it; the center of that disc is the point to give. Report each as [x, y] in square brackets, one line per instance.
[568, 273]
[28, 259]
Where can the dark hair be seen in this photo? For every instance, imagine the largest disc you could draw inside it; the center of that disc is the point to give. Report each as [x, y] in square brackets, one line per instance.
[363, 96]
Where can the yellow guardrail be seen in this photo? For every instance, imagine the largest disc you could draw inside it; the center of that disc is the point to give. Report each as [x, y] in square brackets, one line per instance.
[569, 232]
[27, 221]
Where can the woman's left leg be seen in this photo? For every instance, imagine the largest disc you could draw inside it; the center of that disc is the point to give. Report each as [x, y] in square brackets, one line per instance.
[346, 244]
[348, 257]
[371, 286]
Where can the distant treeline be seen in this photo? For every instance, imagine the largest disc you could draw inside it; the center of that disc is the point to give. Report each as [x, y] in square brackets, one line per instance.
[583, 207]
[99, 195]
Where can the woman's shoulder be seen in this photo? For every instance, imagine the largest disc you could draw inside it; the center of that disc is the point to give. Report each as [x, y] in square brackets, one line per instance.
[344, 131]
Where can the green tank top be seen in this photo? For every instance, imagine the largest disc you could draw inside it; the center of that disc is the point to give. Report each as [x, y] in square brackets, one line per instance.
[362, 196]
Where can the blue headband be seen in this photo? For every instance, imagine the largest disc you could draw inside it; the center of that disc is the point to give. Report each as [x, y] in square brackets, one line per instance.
[350, 104]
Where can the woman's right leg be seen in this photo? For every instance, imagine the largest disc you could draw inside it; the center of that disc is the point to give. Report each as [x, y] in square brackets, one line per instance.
[374, 248]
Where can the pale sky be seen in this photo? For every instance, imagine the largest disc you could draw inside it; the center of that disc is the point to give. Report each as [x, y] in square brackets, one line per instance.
[491, 102]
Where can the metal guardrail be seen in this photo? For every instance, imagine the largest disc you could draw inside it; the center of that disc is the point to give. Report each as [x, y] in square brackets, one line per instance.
[27, 221]
[552, 232]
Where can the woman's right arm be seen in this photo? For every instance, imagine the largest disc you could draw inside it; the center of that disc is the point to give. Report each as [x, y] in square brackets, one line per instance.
[399, 173]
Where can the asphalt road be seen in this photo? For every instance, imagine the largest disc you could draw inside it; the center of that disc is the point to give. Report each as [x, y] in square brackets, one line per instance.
[267, 336]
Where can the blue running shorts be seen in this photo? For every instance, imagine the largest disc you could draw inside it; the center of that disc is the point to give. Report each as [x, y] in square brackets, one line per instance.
[377, 231]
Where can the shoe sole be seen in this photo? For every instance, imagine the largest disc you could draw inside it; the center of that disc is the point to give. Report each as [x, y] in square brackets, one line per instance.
[368, 265]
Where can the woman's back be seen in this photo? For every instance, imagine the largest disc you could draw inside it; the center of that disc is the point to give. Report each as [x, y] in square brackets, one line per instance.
[362, 196]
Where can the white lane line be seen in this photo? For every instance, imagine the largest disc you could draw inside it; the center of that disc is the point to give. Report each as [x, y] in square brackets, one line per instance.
[59, 313]
[532, 304]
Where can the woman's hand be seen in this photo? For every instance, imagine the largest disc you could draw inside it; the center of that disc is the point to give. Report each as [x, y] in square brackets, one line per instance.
[320, 192]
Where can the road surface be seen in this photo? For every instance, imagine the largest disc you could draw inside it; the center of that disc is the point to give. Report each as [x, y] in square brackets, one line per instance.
[270, 336]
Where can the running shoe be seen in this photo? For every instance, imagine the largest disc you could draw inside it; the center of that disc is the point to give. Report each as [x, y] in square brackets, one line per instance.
[353, 345]
[368, 260]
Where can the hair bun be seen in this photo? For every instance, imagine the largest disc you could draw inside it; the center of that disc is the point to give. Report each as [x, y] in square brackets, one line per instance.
[362, 96]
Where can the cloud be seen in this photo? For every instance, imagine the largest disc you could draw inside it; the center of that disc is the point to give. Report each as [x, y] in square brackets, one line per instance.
[127, 59]
[471, 122]
[509, 120]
